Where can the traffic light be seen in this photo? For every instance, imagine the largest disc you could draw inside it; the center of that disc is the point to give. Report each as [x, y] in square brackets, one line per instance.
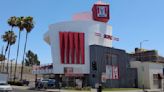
[94, 65]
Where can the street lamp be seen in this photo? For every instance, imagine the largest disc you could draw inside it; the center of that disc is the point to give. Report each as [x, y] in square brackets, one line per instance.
[142, 43]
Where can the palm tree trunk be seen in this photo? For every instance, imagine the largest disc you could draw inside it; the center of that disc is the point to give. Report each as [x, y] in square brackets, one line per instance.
[9, 46]
[11, 71]
[24, 55]
[2, 60]
[1, 66]
[8, 59]
[3, 69]
[15, 70]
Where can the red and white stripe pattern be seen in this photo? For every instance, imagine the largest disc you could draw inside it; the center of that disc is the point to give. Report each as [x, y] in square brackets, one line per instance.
[72, 47]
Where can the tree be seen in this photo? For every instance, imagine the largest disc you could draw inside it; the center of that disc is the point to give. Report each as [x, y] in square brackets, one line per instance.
[20, 24]
[12, 22]
[28, 25]
[2, 58]
[31, 59]
[10, 38]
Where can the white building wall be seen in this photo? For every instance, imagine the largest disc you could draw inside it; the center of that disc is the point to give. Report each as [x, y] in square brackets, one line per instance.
[145, 72]
[87, 27]
[155, 69]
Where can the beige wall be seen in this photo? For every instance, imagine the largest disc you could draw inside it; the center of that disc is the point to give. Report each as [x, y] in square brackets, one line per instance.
[145, 72]
[27, 72]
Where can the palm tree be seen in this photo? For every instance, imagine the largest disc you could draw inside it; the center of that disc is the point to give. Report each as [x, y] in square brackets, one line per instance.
[2, 58]
[10, 38]
[28, 25]
[20, 25]
[12, 42]
[12, 22]
[5, 39]
[31, 59]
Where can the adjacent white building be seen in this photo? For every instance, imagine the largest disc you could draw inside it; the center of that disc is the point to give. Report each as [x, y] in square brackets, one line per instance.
[149, 74]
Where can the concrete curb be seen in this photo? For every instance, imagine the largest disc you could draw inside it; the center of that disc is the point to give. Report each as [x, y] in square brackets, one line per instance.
[20, 87]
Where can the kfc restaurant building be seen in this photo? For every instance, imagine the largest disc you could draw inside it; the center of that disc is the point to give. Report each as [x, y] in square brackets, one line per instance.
[82, 49]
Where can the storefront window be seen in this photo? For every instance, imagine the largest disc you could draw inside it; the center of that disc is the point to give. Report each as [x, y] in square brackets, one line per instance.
[155, 81]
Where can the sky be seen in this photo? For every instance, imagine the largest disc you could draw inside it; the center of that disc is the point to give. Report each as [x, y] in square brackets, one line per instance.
[132, 20]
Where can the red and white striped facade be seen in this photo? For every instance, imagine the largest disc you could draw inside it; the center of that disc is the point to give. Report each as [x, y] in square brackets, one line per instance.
[72, 47]
[70, 41]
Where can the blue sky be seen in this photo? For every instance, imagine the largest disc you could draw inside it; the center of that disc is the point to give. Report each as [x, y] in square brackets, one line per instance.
[132, 20]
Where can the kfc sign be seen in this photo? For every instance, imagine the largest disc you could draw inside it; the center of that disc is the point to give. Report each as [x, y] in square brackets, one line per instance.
[101, 12]
[106, 36]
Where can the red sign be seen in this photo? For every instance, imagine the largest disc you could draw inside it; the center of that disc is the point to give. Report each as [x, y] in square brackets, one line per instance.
[115, 72]
[101, 12]
[112, 72]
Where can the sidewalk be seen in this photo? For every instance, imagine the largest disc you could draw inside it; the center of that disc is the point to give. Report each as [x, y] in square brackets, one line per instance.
[148, 90]
[20, 87]
[56, 90]
[93, 90]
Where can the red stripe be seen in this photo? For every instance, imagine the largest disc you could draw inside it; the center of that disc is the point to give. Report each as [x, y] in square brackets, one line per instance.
[81, 38]
[76, 40]
[106, 10]
[66, 47]
[98, 10]
[71, 46]
[61, 38]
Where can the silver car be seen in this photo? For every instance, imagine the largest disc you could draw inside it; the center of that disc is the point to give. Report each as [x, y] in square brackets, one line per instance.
[4, 87]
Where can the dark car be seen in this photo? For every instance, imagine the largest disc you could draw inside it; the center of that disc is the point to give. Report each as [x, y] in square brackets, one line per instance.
[51, 83]
[25, 82]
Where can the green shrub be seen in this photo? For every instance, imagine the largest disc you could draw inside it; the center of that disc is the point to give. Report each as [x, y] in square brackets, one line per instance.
[11, 82]
[17, 83]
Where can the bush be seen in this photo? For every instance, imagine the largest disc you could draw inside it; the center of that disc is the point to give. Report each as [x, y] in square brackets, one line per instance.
[76, 88]
[11, 82]
[17, 83]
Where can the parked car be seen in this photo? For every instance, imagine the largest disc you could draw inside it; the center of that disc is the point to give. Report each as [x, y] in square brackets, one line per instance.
[46, 83]
[25, 82]
[4, 87]
[51, 83]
